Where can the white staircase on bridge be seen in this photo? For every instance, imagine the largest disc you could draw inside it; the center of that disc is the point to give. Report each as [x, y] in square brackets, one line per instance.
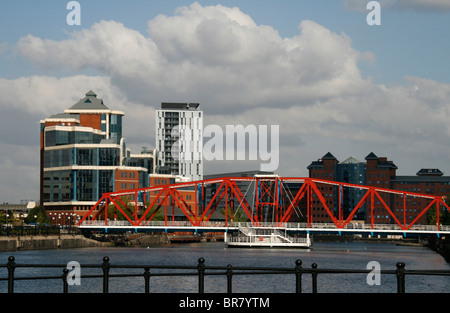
[265, 237]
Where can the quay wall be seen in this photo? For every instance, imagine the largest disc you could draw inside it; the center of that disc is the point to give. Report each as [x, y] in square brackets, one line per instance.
[48, 242]
[441, 246]
[145, 240]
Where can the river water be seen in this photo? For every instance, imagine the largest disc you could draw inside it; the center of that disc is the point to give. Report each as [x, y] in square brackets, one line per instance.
[345, 255]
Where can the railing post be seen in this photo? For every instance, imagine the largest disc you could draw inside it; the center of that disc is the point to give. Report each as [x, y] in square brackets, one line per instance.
[400, 271]
[65, 283]
[105, 267]
[229, 278]
[147, 279]
[201, 275]
[298, 276]
[11, 267]
[314, 278]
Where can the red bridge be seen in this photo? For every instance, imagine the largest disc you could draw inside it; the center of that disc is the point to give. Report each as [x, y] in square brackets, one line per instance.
[285, 202]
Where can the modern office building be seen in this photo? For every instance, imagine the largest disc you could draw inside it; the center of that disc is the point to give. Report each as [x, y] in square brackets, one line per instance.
[84, 155]
[179, 139]
[148, 159]
[248, 188]
[377, 172]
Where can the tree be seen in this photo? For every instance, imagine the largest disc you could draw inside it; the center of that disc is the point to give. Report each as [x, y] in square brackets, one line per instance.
[41, 216]
[238, 215]
[128, 209]
[444, 215]
[7, 220]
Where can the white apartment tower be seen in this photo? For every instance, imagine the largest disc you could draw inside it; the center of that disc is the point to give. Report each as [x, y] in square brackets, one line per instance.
[179, 138]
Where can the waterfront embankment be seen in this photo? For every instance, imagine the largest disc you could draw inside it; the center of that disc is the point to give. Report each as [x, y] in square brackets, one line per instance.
[441, 246]
[67, 241]
[15, 243]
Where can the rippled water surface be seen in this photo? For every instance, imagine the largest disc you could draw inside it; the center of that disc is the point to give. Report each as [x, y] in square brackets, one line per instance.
[351, 255]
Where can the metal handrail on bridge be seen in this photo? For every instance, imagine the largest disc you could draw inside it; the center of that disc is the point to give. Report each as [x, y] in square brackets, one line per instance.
[201, 270]
[292, 226]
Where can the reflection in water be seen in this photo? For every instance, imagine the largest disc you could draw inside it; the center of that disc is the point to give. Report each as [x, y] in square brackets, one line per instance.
[350, 255]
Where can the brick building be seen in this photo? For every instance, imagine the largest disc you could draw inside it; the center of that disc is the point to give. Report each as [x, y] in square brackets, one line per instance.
[185, 195]
[377, 172]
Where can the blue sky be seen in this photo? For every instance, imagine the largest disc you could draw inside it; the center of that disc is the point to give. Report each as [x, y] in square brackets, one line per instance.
[405, 38]
[314, 67]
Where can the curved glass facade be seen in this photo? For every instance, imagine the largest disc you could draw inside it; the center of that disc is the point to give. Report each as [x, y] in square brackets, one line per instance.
[61, 137]
[82, 156]
[77, 185]
[115, 127]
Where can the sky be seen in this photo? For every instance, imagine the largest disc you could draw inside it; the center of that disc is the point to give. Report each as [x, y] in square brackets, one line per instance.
[332, 82]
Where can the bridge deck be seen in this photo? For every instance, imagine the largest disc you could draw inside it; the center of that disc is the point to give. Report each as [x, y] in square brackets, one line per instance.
[291, 227]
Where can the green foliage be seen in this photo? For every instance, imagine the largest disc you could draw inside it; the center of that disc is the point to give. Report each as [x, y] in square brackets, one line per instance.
[238, 216]
[116, 214]
[41, 216]
[444, 215]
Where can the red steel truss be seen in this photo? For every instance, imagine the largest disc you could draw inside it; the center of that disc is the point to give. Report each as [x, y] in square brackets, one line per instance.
[271, 196]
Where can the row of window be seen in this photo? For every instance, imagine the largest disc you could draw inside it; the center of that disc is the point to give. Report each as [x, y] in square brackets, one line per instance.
[169, 199]
[57, 138]
[125, 186]
[82, 156]
[428, 190]
[77, 185]
[163, 181]
[127, 174]
[376, 216]
[378, 175]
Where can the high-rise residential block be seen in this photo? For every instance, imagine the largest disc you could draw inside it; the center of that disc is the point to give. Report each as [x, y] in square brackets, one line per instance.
[179, 139]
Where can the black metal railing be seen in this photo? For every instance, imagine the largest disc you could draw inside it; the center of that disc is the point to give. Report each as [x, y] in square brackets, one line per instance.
[201, 270]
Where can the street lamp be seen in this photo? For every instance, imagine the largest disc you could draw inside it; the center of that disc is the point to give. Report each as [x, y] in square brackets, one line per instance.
[21, 228]
[6, 224]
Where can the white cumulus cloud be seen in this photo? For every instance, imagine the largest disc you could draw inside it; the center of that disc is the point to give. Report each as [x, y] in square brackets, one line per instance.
[213, 54]
[241, 73]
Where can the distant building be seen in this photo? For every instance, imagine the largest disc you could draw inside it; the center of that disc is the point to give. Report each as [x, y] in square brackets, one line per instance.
[16, 211]
[426, 181]
[83, 155]
[184, 196]
[352, 171]
[146, 159]
[324, 168]
[247, 188]
[179, 138]
[378, 172]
